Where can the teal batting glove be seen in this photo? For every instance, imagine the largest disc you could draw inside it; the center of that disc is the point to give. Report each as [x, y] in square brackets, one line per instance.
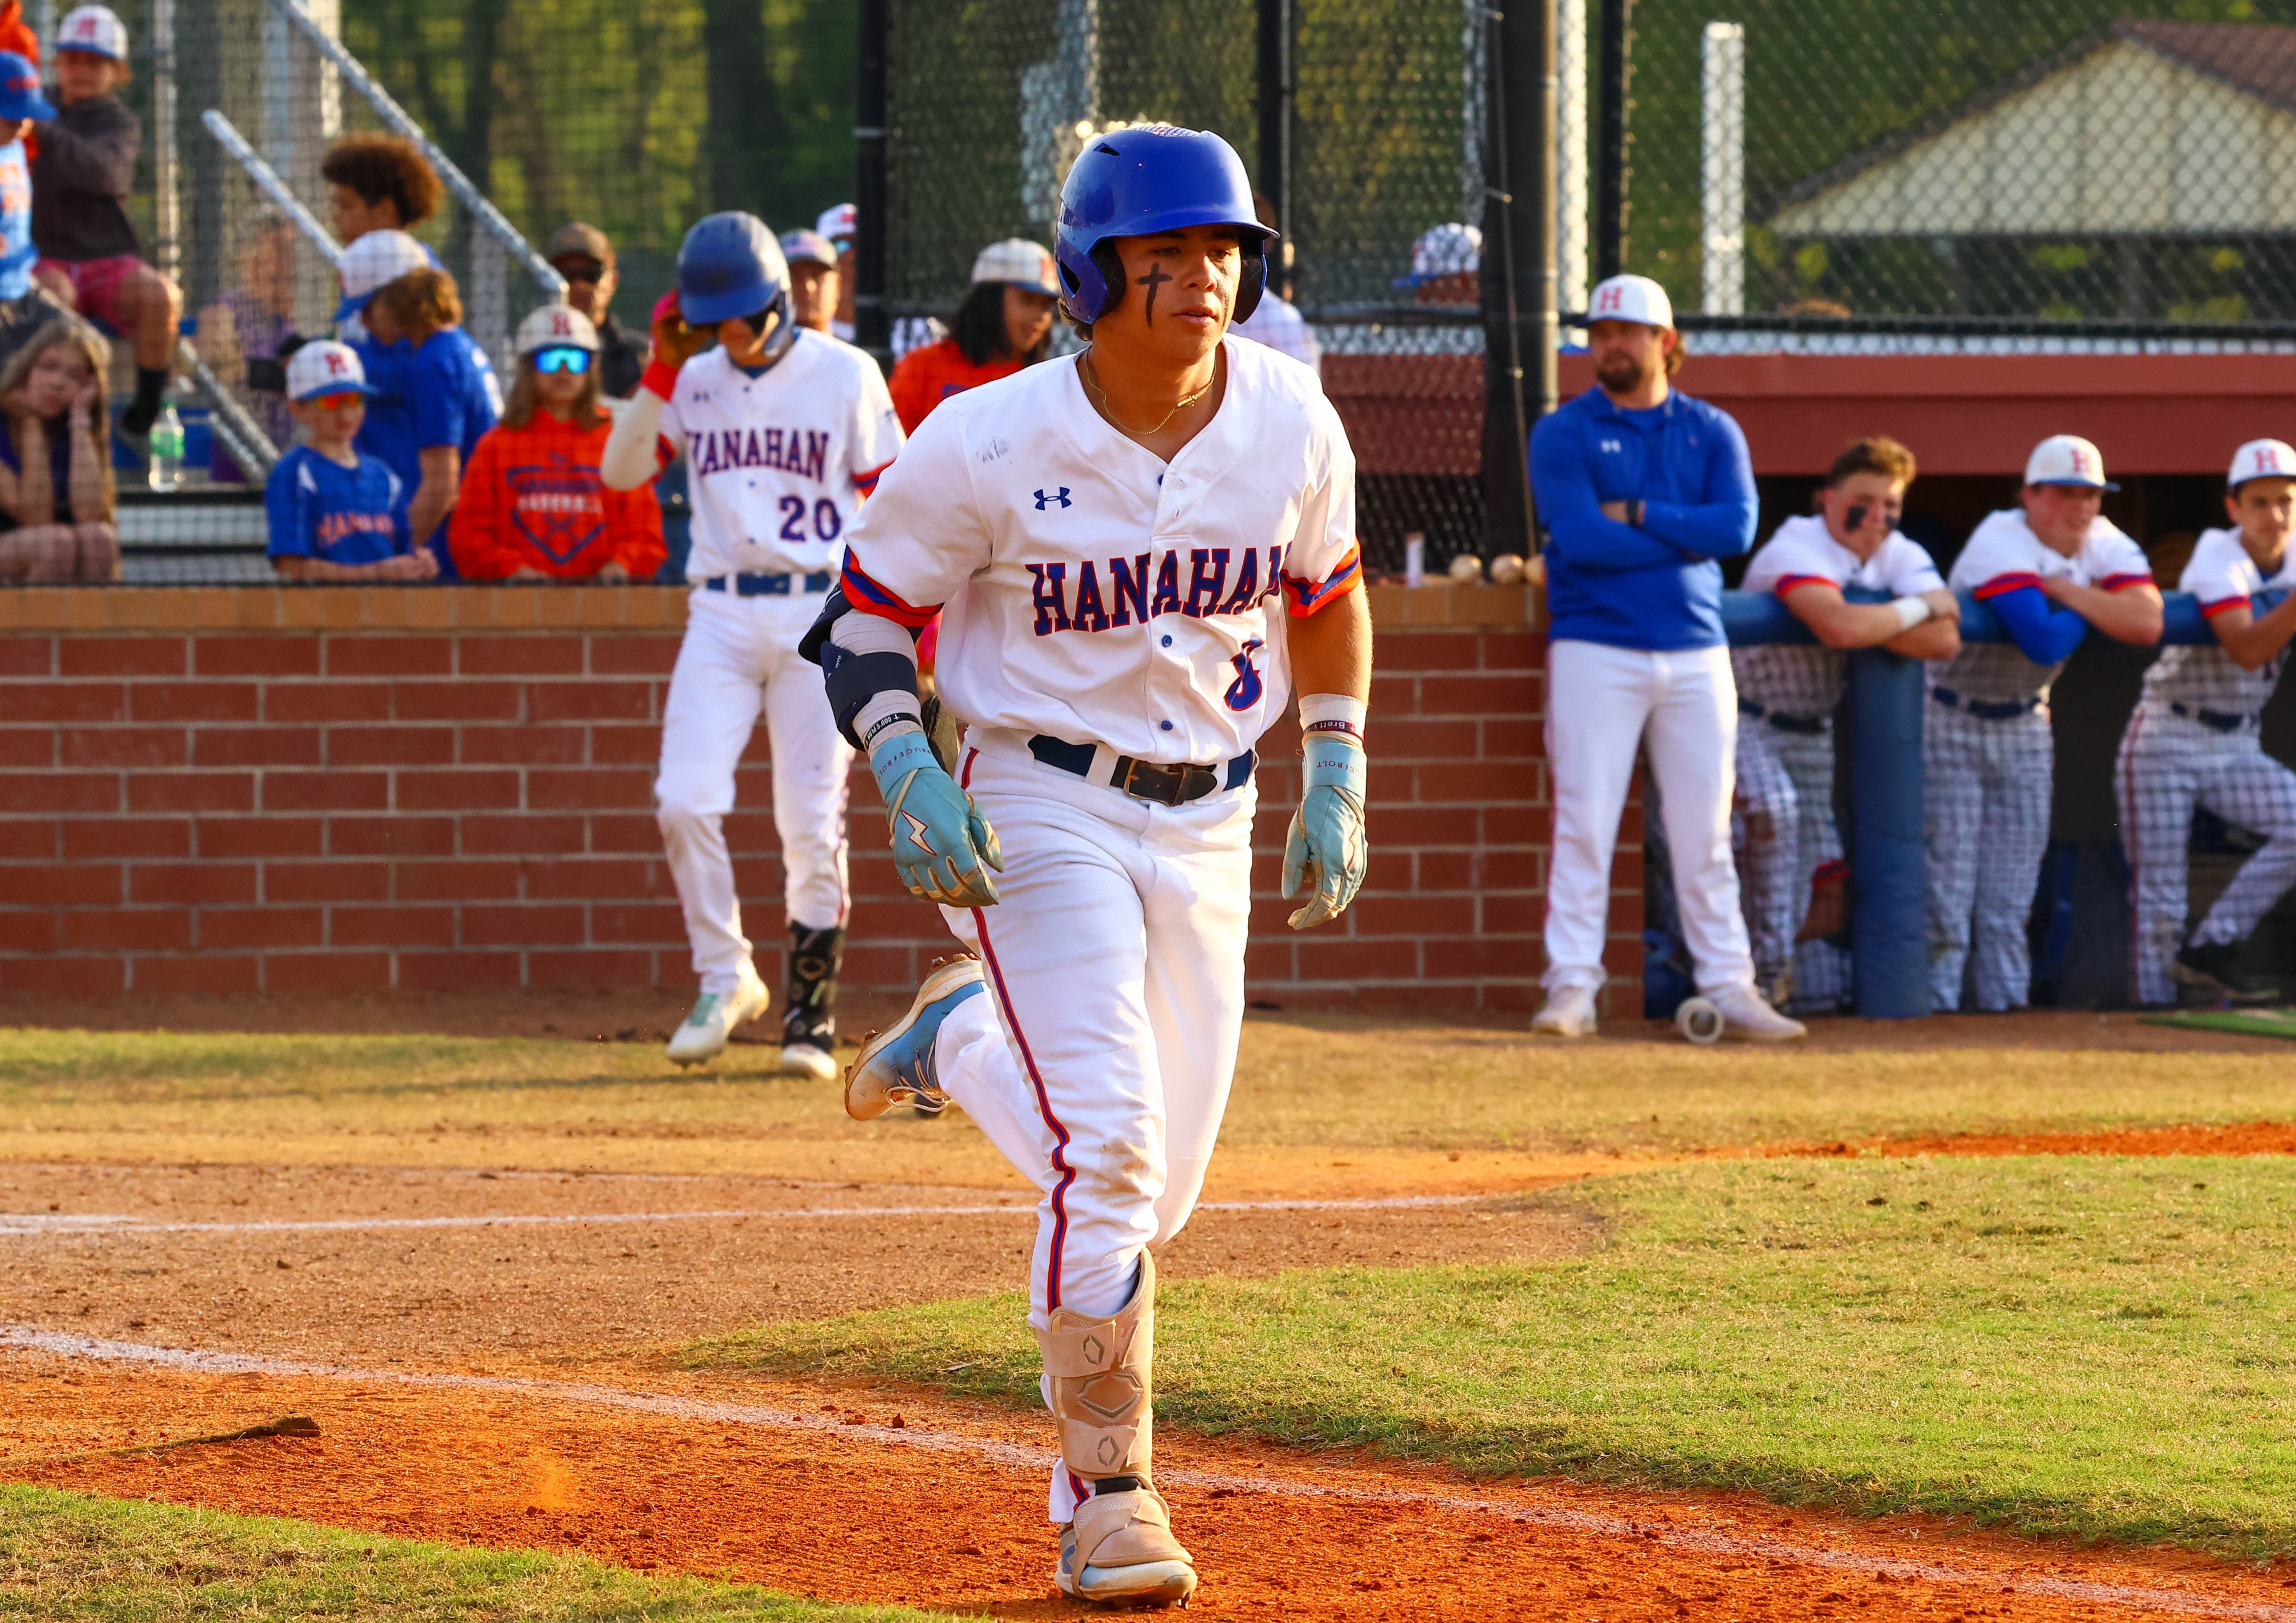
[941, 844]
[1326, 852]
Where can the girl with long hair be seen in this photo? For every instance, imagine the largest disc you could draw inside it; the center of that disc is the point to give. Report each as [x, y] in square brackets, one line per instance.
[55, 468]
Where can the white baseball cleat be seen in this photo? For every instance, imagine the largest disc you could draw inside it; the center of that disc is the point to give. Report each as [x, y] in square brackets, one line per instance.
[804, 1059]
[1129, 1557]
[1746, 1018]
[1570, 1012]
[897, 1067]
[704, 1036]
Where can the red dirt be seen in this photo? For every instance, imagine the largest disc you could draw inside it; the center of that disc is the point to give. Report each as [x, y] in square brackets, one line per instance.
[2238, 1138]
[863, 1512]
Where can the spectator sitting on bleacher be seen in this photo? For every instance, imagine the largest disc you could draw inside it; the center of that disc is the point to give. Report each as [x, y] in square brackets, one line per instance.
[582, 255]
[21, 104]
[373, 262]
[533, 505]
[56, 466]
[334, 513]
[451, 390]
[241, 333]
[378, 183]
[87, 167]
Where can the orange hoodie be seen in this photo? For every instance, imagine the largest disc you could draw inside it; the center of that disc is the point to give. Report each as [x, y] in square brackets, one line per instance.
[926, 377]
[532, 499]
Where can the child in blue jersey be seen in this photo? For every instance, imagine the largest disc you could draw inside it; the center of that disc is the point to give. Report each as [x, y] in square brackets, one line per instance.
[21, 104]
[451, 388]
[336, 514]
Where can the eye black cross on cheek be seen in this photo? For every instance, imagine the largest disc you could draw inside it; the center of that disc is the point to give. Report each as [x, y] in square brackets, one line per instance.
[1155, 278]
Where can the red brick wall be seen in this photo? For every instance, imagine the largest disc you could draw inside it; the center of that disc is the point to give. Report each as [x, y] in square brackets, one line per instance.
[334, 790]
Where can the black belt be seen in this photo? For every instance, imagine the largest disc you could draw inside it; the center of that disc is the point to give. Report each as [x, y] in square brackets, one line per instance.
[766, 586]
[1166, 786]
[1984, 710]
[2215, 721]
[1807, 726]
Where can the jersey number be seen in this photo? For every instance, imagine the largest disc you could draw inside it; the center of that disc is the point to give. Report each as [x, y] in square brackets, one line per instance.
[828, 524]
[1244, 692]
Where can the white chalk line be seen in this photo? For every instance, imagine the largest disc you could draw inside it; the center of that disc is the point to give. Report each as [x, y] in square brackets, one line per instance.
[20, 1224]
[1023, 1456]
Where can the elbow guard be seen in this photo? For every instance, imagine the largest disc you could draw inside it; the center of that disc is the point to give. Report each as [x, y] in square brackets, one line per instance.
[853, 679]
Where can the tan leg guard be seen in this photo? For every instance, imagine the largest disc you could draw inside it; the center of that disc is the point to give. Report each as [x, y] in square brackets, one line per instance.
[1120, 1547]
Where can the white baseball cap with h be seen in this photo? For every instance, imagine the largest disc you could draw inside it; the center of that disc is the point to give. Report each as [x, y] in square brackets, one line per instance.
[323, 367]
[1016, 259]
[1629, 298]
[376, 261]
[95, 30]
[2261, 459]
[2067, 459]
[557, 326]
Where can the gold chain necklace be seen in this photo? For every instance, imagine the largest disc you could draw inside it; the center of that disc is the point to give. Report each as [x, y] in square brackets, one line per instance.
[1091, 375]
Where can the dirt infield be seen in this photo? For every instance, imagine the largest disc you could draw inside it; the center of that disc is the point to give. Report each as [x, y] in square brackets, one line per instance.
[906, 1499]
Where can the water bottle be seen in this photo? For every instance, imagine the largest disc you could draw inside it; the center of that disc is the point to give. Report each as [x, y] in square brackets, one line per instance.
[167, 450]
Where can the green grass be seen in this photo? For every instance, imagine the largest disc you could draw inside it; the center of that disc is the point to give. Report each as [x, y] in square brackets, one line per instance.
[71, 1558]
[1303, 1083]
[2096, 1346]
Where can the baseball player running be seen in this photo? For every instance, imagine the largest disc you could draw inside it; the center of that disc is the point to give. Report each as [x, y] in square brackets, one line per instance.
[1787, 695]
[2193, 741]
[784, 432]
[1103, 537]
[1641, 489]
[2052, 568]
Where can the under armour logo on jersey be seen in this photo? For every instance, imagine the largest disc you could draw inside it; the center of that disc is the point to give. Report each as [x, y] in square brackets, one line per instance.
[1060, 496]
[1611, 445]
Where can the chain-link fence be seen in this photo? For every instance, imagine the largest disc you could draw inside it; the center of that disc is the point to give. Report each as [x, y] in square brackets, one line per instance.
[2084, 172]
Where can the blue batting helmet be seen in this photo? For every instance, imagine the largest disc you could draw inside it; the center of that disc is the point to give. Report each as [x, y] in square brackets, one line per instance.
[1134, 182]
[730, 266]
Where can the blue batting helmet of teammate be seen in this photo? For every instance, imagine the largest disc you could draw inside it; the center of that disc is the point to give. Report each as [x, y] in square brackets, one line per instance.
[730, 266]
[1136, 182]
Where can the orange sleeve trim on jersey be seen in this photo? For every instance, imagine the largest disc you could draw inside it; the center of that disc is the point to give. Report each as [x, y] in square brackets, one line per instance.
[871, 598]
[1304, 597]
[659, 378]
[2006, 583]
[1793, 584]
[2210, 610]
[866, 483]
[2122, 583]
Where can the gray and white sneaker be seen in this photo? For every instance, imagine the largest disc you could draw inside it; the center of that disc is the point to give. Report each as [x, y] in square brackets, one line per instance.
[809, 1061]
[1747, 1019]
[1570, 1012]
[716, 1014]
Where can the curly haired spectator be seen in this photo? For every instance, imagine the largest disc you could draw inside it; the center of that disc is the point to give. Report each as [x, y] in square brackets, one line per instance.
[378, 183]
[89, 256]
[56, 464]
[533, 505]
[451, 389]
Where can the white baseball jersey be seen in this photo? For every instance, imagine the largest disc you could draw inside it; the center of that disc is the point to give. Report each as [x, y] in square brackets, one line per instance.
[777, 464]
[1092, 592]
[2222, 576]
[2003, 554]
[1808, 681]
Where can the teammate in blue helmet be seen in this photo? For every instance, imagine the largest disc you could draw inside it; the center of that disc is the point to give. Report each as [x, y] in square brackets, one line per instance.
[730, 268]
[1137, 182]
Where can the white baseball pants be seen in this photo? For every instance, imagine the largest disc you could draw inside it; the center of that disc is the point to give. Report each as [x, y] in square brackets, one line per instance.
[1601, 703]
[1782, 832]
[1987, 789]
[2169, 764]
[740, 658]
[1099, 1058]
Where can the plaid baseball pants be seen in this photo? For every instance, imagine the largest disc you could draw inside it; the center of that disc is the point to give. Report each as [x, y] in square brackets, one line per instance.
[1986, 813]
[2169, 764]
[1782, 831]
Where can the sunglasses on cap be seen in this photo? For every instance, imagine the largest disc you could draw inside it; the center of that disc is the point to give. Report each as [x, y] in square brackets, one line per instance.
[562, 359]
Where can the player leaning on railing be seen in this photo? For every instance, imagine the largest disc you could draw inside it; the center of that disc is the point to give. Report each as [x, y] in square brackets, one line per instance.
[2194, 740]
[1113, 542]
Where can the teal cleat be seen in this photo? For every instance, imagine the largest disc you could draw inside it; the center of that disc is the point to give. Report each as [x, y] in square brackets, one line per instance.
[895, 1067]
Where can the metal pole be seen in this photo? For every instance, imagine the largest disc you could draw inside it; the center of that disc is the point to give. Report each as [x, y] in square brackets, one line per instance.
[1613, 142]
[167, 200]
[1275, 93]
[267, 178]
[1520, 333]
[1570, 153]
[1722, 166]
[249, 445]
[872, 323]
[485, 213]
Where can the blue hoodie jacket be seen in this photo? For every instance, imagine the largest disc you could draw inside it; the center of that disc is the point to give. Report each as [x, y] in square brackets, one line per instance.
[1657, 588]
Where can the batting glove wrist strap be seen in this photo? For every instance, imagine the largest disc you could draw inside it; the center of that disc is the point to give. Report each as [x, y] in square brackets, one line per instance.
[1324, 853]
[942, 846]
[659, 379]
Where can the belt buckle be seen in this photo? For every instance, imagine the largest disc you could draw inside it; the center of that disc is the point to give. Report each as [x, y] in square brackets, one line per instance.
[1146, 780]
